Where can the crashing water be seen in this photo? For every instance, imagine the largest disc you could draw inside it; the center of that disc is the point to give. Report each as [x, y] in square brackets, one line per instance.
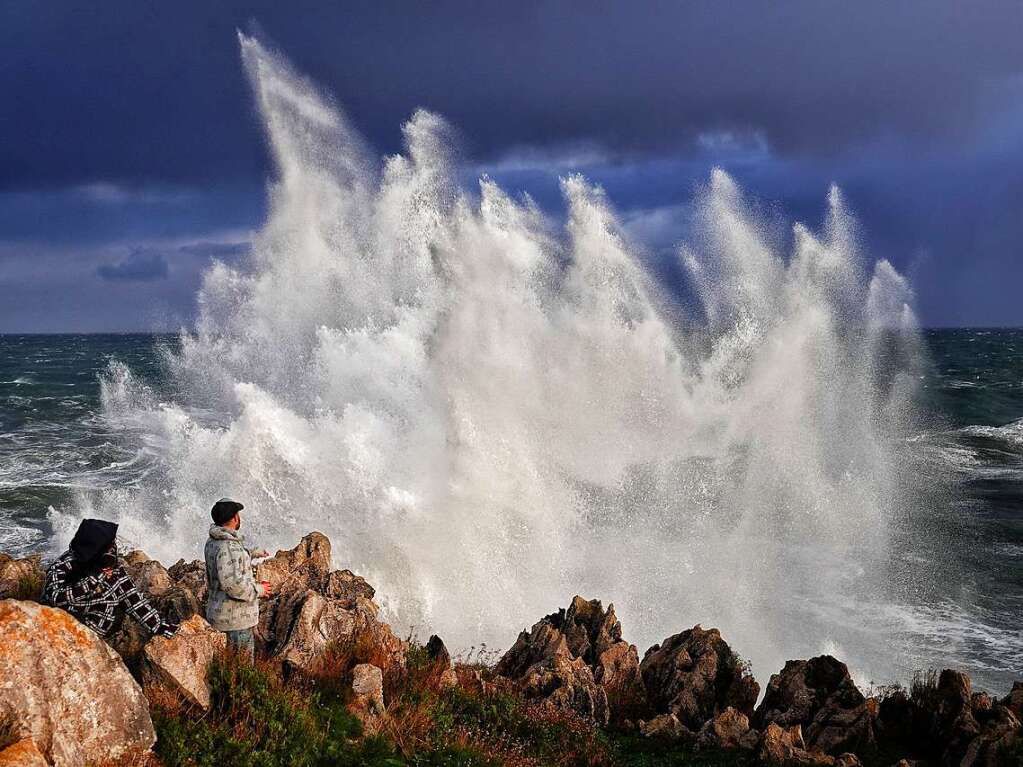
[487, 412]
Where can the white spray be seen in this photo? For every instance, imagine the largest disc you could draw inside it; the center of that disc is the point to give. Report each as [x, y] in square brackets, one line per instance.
[487, 415]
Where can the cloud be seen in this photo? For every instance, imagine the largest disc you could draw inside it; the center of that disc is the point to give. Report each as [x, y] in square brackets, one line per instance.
[140, 266]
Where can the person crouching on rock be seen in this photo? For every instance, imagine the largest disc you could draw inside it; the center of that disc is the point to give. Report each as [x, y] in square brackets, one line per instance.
[90, 582]
[233, 594]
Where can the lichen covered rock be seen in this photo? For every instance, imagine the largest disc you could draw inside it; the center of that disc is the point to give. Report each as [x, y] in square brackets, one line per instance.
[178, 665]
[66, 690]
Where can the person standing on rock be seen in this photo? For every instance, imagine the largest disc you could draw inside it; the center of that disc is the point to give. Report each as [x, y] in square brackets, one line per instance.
[234, 594]
[90, 582]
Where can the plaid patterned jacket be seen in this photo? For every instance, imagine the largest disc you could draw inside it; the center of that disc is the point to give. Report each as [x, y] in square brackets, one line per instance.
[99, 601]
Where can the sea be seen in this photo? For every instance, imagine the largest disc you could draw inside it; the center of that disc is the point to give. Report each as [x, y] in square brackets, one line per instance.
[58, 446]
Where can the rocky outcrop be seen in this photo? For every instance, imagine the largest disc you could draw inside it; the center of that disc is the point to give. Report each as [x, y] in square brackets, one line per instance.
[177, 666]
[667, 728]
[820, 696]
[309, 624]
[1000, 735]
[21, 578]
[577, 657]
[696, 676]
[66, 690]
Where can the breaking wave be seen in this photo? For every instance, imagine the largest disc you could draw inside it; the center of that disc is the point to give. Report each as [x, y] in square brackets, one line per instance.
[488, 411]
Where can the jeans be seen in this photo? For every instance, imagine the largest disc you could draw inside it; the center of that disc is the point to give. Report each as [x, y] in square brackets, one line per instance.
[242, 642]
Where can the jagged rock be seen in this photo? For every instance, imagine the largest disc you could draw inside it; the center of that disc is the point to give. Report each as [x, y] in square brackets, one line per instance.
[948, 716]
[729, 731]
[24, 753]
[67, 690]
[1014, 700]
[819, 694]
[695, 675]
[668, 728]
[566, 683]
[801, 690]
[367, 703]
[346, 586]
[1000, 734]
[178, 665]
[836, 730]
[309, 624]
[585, 631]
[21, 578]
[191, 576]
[291, 574]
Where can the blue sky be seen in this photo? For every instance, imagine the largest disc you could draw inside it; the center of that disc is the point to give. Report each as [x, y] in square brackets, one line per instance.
[130, 154]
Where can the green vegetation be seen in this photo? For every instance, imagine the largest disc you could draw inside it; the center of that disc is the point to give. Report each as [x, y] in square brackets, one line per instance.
[258, 719]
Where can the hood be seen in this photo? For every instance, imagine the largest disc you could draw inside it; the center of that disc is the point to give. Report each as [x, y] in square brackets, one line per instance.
[219, 533]
[93, 538]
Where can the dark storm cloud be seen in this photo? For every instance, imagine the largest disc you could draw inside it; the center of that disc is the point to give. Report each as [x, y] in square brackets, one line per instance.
[140, 266]
[153, 92]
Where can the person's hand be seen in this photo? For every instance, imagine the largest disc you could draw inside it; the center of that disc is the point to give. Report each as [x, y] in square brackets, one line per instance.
[265, 589]
[107, 572]
[260, 553]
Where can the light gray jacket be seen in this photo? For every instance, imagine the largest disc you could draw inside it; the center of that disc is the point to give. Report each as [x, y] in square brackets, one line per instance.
[233, 596]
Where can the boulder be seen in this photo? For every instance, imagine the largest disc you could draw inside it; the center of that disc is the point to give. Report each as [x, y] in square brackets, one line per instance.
[784, 747]
[667, 728]
[308, 625]
[820, 696]
[150, 576]
[696, 676]
[586, 632]
[176, 604]
[367, 701]
[24, 753]
[21, 578]
[178, 665]
[66, 690]
[728, 731]
[439, 660]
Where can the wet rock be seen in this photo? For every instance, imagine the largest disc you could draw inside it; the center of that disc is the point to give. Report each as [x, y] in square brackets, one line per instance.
[178, 665]
[836, 730]
[696, 676]
[24, 753]
[440, 662]
[367, 703]
[310, 624]
[21, 578]
[728, 731]
[667, 728]
[948, 715]
[66, 690]
[586, 632]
